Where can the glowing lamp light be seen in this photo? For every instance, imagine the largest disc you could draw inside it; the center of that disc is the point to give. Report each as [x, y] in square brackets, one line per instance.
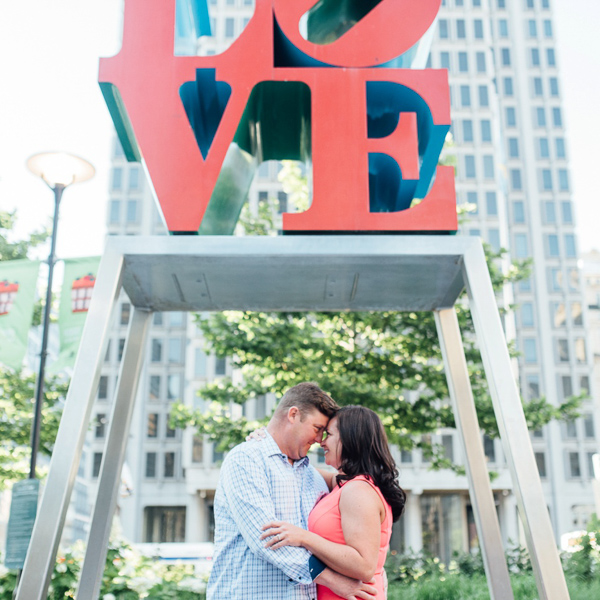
[60, 169]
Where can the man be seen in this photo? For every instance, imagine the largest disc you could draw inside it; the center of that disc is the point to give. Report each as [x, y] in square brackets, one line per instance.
[272, 480]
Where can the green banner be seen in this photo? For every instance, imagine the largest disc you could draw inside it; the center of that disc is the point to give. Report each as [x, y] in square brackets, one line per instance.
[75, 297]
[18, 279]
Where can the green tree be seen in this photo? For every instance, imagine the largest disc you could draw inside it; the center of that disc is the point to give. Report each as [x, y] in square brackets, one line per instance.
[12, 250]
[388, 361]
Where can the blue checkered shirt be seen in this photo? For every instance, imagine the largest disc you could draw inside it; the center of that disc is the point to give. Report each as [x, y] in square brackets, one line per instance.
[258, 484]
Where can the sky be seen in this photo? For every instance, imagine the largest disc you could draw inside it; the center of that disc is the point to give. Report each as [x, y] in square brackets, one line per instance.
[50, 100]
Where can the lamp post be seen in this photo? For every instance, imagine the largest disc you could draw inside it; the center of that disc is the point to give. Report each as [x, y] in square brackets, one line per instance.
[58, 170]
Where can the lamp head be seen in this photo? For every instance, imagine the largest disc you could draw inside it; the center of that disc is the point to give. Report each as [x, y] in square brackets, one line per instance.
[60, 168]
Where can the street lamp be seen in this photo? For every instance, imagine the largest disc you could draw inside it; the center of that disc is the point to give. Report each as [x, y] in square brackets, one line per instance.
[58, 170]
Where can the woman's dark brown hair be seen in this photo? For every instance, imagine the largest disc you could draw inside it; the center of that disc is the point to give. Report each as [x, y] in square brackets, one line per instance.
[365, 451]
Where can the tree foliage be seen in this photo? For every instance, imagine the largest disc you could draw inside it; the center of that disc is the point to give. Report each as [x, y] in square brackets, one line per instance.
[388, 361]
[11, 249]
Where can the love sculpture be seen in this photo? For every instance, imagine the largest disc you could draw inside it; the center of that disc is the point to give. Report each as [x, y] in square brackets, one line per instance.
[373, 132]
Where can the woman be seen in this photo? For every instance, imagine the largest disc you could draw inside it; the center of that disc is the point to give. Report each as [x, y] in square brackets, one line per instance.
[350, 529]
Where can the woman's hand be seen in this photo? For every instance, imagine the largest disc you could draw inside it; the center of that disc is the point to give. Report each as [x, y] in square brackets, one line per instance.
[283, 534]
[257, 435]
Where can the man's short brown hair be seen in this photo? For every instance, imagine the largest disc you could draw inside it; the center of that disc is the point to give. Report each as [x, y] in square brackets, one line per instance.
[306, 397]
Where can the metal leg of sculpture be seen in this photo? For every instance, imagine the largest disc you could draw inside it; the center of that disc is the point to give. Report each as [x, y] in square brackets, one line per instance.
[48, 527]
[513, 429]
[486, 519]
[109, 480]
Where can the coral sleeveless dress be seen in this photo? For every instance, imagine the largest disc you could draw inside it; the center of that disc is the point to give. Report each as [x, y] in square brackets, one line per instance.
[325, 520]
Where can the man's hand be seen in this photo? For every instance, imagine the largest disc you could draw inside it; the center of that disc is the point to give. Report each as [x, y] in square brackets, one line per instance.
[350, 589]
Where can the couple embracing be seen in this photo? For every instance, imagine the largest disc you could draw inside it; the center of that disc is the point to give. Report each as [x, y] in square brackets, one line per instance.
[284, 530]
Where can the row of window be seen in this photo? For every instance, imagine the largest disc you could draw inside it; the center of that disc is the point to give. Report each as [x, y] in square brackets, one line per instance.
[546, 181]
[533, 57]
[492, 237]
[459, 61]
[491, 203]
[564, 385]
[132, 212]
[154, 423]
[551, 242]
[469, 166]
[536, 87]
[561, 350]
[528, 4]
[134, 181]
[558, 314]
[457, 29]
[155, 390]
[572, 464]
[464, 97]
[542, 148]
[151, 471]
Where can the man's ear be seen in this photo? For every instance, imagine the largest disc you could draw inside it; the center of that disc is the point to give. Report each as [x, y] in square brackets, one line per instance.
[293, 412]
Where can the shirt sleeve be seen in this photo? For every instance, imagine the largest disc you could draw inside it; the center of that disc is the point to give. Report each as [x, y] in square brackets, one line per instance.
[245, 485]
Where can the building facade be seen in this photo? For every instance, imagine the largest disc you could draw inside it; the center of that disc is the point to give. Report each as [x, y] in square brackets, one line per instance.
[512, 169]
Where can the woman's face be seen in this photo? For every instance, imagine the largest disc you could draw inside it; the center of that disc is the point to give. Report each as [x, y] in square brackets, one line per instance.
[332, 446]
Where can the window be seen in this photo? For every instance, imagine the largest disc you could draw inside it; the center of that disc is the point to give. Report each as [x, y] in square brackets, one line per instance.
[546, 4]
[534, 57]
[463, 62]
[175, 350]
[546, 180]
[157, 319]
[559, 314]
[445, 60]
[570, 430]
[562, 347]
[540, 461]
[103, 388]
[584, 384]
[527, 314]
[537, 86]
[484, 99]
[533, 391]
[169, 431]
[590, 464]
[478, 29]
[447, 443]
[473, 200]
[580, 353]
[117, 179]
[555, 280]
[567, 387]
[501, 3]
[588, 426]
[476, 3]
[470, 166]
[229, 28]
[488, 166]
[573, 280]
[134, 179]
[532, 28]
[460, 29]
[465, 95]
[100, 430]
[406, 457]
[556, 117]
[543, 148]
[515, 179]
[443, 28]
[197, 450]
[467, 127]
[574, 466]
[115, 212]
[164, 524]
[491, 204]
[547, 28]
[107, 355]
[530, 350]
[518, 212]
[177, 319]
[552, 249]
[199, 363]
[154, 387]
[570, 249]
[125, 312]
[567, 212]
[521, 245]
[549, 213]
[503, 28]
[511, 117]
[169, 464]
[174, 387]
[563, 180]
[486, 130]
[152, 425]
[282, 199]
[150, 464]
[121, 349]
[550, 57]
[220, 365]
[494, 239]
[529, 4]
[553, 81]
[540, 117]
[156, 354]
[576, 314]
[508, 86]
[505, 57]
[97, 462]
[513, 147]
[560, 147]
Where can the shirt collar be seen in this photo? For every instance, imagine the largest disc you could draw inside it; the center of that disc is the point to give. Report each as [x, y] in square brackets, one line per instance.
[269, 447]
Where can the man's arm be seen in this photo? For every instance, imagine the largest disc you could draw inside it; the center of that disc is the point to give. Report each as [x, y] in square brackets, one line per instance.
[245, 485]
[345, 587]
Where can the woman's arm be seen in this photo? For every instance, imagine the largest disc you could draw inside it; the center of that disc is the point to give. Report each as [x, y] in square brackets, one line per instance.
[360, 507]
[329, 477]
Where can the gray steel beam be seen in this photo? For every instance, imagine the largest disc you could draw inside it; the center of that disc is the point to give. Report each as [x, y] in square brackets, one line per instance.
[513, 428]
[484, 509]
[49, 524]
[114, 454]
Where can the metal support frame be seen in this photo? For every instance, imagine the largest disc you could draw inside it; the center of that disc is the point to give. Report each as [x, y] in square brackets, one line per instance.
[340, 272]
[484, 509]
[109, 480]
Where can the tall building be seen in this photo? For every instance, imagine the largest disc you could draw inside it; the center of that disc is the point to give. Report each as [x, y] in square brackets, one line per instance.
[512, 167]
